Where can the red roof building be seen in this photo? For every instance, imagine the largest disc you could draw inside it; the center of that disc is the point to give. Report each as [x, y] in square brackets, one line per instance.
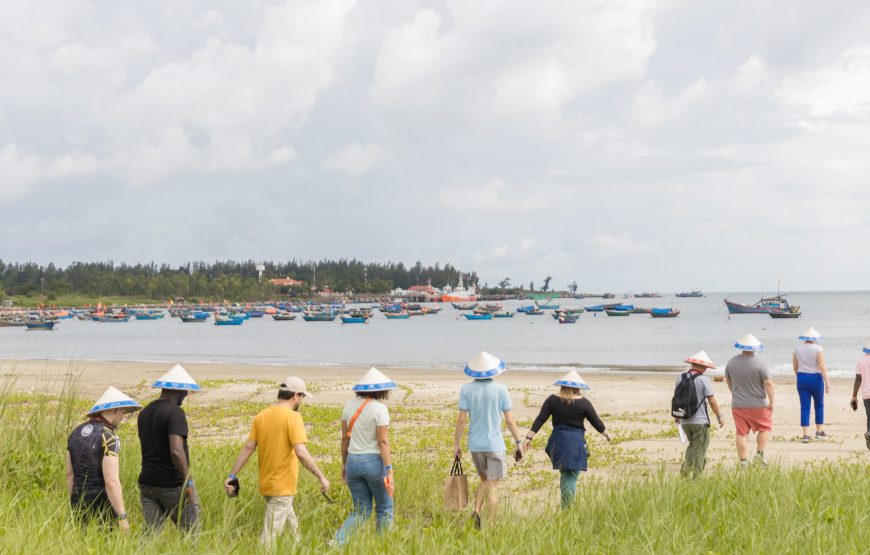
[285, 282]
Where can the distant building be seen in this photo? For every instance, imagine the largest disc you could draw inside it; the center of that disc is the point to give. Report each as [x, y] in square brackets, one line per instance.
[286, 282]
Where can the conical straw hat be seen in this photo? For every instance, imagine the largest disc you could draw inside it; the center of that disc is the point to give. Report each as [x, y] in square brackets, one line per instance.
[701, 359]
[867, 348]
[484, 365]
[749, 343]
[177, 379]
[114, 399]
[572, 379]
[374, 380]
[810, 335]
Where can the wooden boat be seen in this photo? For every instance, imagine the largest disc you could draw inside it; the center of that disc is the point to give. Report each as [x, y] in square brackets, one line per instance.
[12, 323]
[595, 308]
[568, 319]
[664, 312]
[792, 312]
[397, 315]
[416, 312]
[641, 310]
[504, 314]
[762, 306]
[318, 317]
[464, 306]
[431, 310]
[41, 325]
[487, 316]
[353, 319]
[693, 294]
[283, 316]
[616, 312]
[227, 321]
[113, 318]
[575, 310]
[534, 312]
[148, 315]
[192, 318]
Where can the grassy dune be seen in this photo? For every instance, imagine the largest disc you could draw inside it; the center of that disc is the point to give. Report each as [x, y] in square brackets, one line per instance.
[813, 509]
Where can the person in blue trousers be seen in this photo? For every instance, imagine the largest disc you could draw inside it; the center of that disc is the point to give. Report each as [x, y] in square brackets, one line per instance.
[366, 462]
[808, 362]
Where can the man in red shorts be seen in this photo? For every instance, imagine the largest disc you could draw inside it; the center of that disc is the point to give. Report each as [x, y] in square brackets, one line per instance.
[748, 378]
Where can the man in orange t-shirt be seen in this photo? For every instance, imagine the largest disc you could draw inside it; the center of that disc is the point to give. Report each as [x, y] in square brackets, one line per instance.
[278, 433]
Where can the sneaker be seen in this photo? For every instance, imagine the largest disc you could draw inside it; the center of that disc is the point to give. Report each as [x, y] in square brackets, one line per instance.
[476, 518]
[867, 439]
[806, 439]
[821, 436]
[745, 464]
[759, 459]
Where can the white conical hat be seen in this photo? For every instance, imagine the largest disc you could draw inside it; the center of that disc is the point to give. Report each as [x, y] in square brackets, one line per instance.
[749, 343]
[572, 379]
[810, 335]
[701, 359]
[114, 399]
[867, 347]
[484, 365]
[374, 380]
[178, 379]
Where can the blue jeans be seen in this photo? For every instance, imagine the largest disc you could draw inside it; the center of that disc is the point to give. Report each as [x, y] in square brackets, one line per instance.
[811, 387]
[365, 478]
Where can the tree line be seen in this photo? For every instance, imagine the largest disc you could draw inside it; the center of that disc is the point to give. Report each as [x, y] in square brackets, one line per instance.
[219, 280]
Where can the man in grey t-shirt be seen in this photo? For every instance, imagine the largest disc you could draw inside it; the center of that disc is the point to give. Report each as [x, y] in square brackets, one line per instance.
[748, 378]
[697, 426]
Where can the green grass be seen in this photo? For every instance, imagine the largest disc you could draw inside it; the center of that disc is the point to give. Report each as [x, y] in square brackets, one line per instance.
[79, 300]
[821, 508]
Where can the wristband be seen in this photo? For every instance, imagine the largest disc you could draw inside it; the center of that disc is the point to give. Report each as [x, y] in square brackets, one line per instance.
[190, 482]
[122, 516]
[232, 476]
[388, 467]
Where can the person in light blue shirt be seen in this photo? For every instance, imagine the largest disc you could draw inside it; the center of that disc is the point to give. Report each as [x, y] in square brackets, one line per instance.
[482, 403]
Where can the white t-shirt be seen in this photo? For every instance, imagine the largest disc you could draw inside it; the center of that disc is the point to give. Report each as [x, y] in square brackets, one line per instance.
[363, 437]
[807, 355]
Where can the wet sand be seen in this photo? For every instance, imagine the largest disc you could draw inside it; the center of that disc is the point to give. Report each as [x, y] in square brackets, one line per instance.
[627, 402]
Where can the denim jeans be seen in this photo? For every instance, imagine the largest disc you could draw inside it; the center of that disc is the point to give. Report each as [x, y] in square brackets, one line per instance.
[811, 388]
[158, 504]
[365, 478]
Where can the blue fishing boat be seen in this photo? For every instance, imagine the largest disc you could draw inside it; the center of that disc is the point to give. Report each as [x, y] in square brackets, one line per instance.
[193, 318]
[568, 319]
[534, 312]
[283, 316]
[113, 318]
[148, 315]
[621, 307]
[664, 312]
[227, 321]
[547, 306]
[353, 319]
[595, 308]
[525, 309]
[318, 317]
[256, 313]
[397, 315]
[44, 325]
[486, 316]
[504, 314]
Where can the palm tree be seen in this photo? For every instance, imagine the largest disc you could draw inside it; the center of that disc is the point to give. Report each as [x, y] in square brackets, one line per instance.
[572, 287]
[546, 286]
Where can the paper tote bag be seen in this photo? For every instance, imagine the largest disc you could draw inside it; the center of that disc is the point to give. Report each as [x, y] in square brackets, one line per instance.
[456, 488]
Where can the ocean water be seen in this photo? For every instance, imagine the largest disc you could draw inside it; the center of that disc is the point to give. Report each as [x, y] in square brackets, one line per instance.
[596, 342]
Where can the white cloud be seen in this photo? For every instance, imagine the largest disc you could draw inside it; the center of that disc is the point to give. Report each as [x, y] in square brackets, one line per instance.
[18, 171]
[618, 244]
[528, 244]
[354, 159]
[492, 197]
[842, 88]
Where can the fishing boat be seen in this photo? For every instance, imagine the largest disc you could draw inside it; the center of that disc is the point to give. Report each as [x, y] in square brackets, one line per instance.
[547, 306]
[608, 296]
[397, 315]
[353, 319]
[464, 306]
[525, 309]
[595, 308]
[617, 312]
[647, 295]
[227, 321]
[148, 315]
[12, 322]
[460, 294]
[762, 306]
[417, 312]
[640, 310]
[257, 313]
[792, 312]
[318, 317]
[283, 316]
[193, 318]
[505, 314]
[534, 312]
[431, 310]
[664, 312]
[628, 307]
[41, 325]
[693, 294]
[568, 319]
[113, 318]
[474, 316]
[575, 310]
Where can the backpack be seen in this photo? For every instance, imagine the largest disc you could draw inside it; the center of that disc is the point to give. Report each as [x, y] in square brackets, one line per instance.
[685, 401]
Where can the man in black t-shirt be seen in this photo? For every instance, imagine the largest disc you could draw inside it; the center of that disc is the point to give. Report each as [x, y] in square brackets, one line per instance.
[92, 465]
[165, 485]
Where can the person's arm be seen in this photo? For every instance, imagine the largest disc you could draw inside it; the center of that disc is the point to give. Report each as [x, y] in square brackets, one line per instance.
[70, 475]
[542, 418]
[820, 360]
[309, 463]
[457, 433]
[345, 444]
[768, 387]
[714, 405]
[594, 419]
[855, 387]
[247, 450]
[515, 432]
[383, 436]
[728, 380]
[176, 453]
[112, 477]
[794, 362]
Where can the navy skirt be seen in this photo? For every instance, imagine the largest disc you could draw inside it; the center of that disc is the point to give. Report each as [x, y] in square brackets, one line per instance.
[567, 448]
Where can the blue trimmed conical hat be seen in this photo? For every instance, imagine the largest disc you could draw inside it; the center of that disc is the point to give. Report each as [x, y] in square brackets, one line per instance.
[572, 379]
[177, 379]
[374, 380]
[867, 348]
[114, 399]
[810, 335]
[484, 365]
[749, 343]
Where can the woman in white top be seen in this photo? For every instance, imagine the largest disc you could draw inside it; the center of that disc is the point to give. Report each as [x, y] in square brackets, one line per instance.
[366, 462]
[808, 362]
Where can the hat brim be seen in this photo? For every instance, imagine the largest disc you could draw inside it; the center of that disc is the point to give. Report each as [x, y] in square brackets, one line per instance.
[177, 386]
[810, 338]
[754, 348]
[867, 350]
[387, 386]
[575, 385]
[128, 406]
[483, 374]
[699, 362]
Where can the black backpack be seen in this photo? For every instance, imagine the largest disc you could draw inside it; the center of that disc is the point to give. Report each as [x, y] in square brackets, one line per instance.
[685, 401]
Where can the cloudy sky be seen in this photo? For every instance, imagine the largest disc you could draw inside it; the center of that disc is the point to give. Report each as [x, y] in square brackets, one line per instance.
[625, 145]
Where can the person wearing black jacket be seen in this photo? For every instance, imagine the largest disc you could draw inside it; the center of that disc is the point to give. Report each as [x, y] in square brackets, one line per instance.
[567, 444]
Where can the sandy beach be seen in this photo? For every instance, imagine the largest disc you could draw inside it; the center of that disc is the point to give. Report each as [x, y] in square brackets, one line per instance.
[632, 405]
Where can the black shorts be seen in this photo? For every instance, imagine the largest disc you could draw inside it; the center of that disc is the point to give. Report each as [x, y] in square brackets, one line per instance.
[92, 507]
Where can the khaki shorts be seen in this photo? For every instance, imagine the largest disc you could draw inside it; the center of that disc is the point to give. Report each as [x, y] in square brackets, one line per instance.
[489, 464]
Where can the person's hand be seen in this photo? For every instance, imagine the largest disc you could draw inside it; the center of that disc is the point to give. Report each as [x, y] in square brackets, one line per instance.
[457, 452]
[827, 387]
[770, 408]
[124, 525]
[389, 483]
[229, 488]
[324, 484]
[518, 453]
[344, 474]
[721, 421]
[854, 403]
[190, 494]
[527, 445]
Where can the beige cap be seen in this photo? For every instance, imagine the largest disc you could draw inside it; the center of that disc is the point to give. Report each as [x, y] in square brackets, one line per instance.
[296, 385]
